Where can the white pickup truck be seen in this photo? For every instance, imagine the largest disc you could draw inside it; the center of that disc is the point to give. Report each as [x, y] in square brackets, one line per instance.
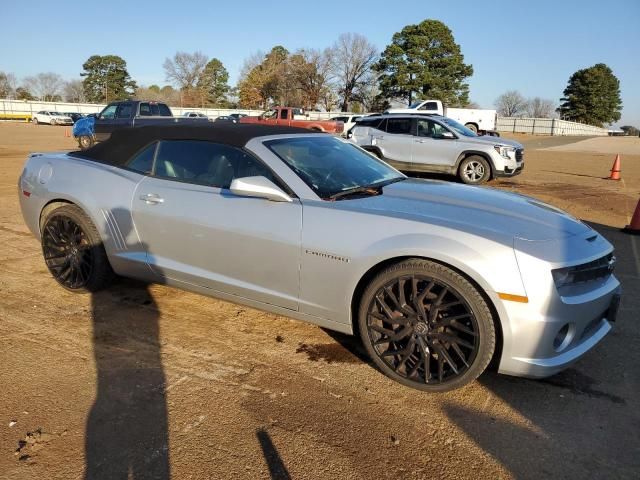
[476, 119]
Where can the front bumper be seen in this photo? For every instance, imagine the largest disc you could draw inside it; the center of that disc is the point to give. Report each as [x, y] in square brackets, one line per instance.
[558, 325]
[510, 172]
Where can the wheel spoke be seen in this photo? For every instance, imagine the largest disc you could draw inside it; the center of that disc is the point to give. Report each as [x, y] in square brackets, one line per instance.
[445, 355]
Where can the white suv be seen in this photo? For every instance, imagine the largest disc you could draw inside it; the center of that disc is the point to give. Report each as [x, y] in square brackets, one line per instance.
[52, 118]
[433, 143]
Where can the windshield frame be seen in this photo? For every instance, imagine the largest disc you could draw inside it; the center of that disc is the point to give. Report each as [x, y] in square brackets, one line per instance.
[389, 175]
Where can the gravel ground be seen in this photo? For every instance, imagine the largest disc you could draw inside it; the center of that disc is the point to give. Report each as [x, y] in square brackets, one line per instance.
[157, 382]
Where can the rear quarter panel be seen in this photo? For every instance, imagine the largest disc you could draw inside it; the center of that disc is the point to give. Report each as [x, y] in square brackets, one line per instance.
[102, 191]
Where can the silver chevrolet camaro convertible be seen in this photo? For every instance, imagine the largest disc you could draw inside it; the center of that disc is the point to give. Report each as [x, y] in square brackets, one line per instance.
[436, 278]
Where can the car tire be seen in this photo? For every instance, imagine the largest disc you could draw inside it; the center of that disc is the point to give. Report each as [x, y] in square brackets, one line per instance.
[73, 250]
[53, 122]
[85, 142]
[35, 120]
[472, 127]
[426, 326]
[474, 170]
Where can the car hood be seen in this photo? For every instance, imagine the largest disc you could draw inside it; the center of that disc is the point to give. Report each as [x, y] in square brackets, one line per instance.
[477, 210]
[489, 140]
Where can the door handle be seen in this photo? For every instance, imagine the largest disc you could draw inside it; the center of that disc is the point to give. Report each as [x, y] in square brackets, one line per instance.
[151, 198]
[378, 137]
[420, 141]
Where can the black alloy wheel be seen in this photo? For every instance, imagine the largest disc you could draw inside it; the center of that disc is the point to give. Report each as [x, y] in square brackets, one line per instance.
[73, 250]
[67, 252]
[426, 326]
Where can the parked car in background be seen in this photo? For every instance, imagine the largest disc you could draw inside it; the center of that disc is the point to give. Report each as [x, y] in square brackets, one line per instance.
[194, 115]
[51, 118]
[476, 119]
[75, 116]
[437, 278]
[226, 118]
[238, 116]
[125, 113]
[291, 117]
[433, 143]
[348, 120]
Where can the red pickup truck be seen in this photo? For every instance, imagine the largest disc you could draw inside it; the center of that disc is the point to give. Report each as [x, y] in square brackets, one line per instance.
[286, 116]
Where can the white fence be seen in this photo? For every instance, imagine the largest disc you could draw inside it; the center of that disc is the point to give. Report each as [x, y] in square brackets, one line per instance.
[547, 126]
[22, 109]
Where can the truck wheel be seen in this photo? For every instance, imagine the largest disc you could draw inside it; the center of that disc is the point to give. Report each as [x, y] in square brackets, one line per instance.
[426, 326]
[85, 142]
[474, 170]
[472, 126]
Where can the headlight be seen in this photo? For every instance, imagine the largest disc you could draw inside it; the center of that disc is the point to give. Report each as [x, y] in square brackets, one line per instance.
[506, 152]
[600, 268]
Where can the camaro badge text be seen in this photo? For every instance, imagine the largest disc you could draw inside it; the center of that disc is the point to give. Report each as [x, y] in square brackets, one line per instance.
[327, 255]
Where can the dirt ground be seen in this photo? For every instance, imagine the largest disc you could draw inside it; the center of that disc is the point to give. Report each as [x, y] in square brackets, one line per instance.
[152, 381]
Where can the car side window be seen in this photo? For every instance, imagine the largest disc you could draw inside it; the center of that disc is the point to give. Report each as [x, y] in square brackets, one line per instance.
[283, 114]
[142, 162]
[124, 110]
[399, 126]
[206, 163]
[109, 112]
[427, 128]
[429, 106]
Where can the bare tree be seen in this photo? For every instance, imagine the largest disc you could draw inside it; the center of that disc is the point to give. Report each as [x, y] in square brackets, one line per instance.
[74, 91]
[511, 104]
[8, 84]
[540, 108]
[310, 70]
[45, 86]
[184, 69]
[353, 57]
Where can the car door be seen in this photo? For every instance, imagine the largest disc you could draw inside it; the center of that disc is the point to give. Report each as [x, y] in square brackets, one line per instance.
[195, 231]
[105, 123]
[431, 148]
[396, 141]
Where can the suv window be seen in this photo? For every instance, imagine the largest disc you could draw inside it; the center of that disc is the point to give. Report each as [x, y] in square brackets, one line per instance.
[401, 126]
[429, 106]
[109, 112]
[369, 122]
[143, 161]
[206, 163]
[124, 110]
[428, 128]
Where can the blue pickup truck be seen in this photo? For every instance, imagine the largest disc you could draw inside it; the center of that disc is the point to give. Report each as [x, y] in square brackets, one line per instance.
[125, 113]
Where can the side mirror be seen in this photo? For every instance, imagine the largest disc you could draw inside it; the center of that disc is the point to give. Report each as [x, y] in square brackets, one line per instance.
[447, 135]
[258, 187]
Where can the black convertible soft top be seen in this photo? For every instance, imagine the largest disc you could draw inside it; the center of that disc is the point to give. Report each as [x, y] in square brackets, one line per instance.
[124, 143]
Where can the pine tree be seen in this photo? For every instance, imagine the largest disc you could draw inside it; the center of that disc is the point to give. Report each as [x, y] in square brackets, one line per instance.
[106, 79]
[592, 96]
[424, 61]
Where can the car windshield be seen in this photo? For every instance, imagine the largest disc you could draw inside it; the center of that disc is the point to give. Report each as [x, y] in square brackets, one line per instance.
[56, 113]
[330, 166]
[458, 127]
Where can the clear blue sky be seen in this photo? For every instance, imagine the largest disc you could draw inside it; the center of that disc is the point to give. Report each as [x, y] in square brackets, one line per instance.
[532, 47]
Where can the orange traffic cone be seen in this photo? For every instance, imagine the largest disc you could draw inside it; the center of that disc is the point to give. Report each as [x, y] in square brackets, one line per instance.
[615, 169]
[634, 226]
[67, 134]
